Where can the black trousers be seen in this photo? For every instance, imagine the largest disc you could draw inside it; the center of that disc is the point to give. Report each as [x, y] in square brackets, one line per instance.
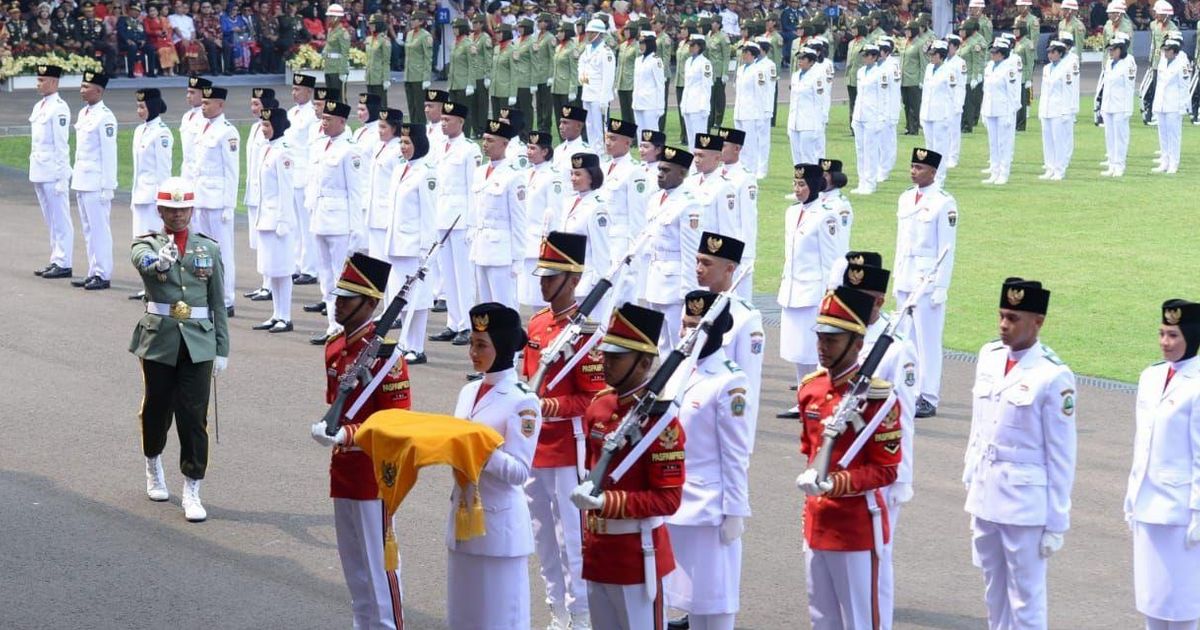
[525, 104]
[215, 59]
[414, 95]
[497, 103]
[177, 391]
[545, 104]
[479, 109]
[716, 117]
[334, 82]
[682, 127]
[852, 93]
[911, 97]
[1023, 113]
[625, 99]
[662, 120]
[560, 101]
[379, 89]
[143, 53]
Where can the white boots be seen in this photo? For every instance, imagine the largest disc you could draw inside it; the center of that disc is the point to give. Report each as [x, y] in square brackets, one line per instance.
[156, 486]
[193, 511]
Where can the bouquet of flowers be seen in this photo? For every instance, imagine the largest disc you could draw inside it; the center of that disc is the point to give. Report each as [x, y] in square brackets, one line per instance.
[1094, 42]
[71, 64]
[308, 58]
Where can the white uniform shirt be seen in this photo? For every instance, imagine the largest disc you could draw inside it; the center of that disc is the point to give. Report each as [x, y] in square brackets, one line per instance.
[437, 138]
[826, 66]
[587, 214]
[455, 181]
[1020, 461]
[1120, 86]
[958, 78]
[719, 200]
[899, 366]
[697, 85]
[597, 72]
[152, 145]
[926, 227]
[255, 141]
[544, 192]
[411, 222]
[497, 221]
[275, 198]
[871, 104]
[625, 192]
[366, 138]
[340, 206]
[840, 206]
[744, 344]
[1170, 89]
[1055, 98]
[1072, 60]
[745, 188]
[303, 127]
[892, 78]
[564, 151]
[753, 84]
[813, 241]
[95, 149]
[939, 99]
[649, 83]
[217, 165]
[1001, 89]
[1164, 480]
[807, 100]
[385, 163]
[49, 132]
[675, 220]
[189, 127]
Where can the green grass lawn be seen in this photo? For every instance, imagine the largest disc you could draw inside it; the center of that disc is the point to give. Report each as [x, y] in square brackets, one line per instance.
[1109, 250]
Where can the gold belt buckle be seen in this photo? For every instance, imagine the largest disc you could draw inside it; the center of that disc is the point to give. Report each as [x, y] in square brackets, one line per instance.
[181, 310]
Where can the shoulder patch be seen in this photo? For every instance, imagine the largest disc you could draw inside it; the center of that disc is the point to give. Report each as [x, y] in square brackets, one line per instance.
[207, 237]
[812, 375]
[387, 348]
[879, 389]
[732, 367]
[525, 388]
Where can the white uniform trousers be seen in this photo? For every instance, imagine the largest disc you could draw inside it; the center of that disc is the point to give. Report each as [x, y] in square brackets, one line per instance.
[938, 138]
[647, 119]
[1057, 138]
[841, 591]
[332, 250]
[1170, 127]
[597, 112]
[457, 278]
[1001, 132]
[145, 219]
[887, 151]
[887, 573]
[1166, 582]
[208, 221]
[693, 124]
[497, 283]
[750, 150]
[558, 539]
[762, 131]
[821, 140]
[1116, 140]
[797, 341]
[56, 212]
[625, 607]
[745, 289]
[708, 573]
[672, 323]
[955, 138]
[1160, 624]
[486, 593]
[419, 299]
[306, 243]
[925, 329]
[529, 286]
[1014, 574]
[97, 233]
[374, 591]
[276, 257]
[806, 146]
[868, 139]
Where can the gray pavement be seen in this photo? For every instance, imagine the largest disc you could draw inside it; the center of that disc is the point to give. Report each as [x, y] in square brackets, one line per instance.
[82, 546]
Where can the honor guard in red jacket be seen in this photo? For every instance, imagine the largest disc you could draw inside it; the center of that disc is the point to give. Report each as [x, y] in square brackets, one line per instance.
[845, 516]
[626, 547]
[357, 510]
[559, 461]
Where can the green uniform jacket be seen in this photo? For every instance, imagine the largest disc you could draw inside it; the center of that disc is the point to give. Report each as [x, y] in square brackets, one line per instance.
[912, 67]
[543, 57]
[503, 84]
[627, 54]
[196, 280]
[1158, 33]
[663, 43]
[1125, 27]
[717, 51]
[336, 54]
[418, 56]
[565, 68]
[985, 28]
[459, 74]
[1076, 28]
[975, 53]
[854, 60]
[681, 56]
[522, 61]
[873, 36]
[379, 59]
[776, 54]
[1034, 24]
[1027, 50]
[481, 56]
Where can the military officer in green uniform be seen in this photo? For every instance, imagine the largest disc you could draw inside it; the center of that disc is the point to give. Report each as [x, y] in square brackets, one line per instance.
[522, 65]
[876, 21]
[418, 66]
[975, 12]
[1162, 24]
[1071, 22]
[1027, 17]
[336, 53]
[543, 67]
[566, 70]
[481, 69]
[1118, 22]
[379, 60]
[182, 341]
[1026, 51]
[717, 51]
[460, 81]
[662, 41]
[775, 54]
[503, 81]
[627, 54]
[912, 74]
[682, 53]
[974, 53]
[854, 62]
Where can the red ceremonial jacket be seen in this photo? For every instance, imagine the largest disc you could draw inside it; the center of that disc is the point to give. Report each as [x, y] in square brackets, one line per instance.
[840, 520]
[351, 475]
[568, 399]
[652, 487]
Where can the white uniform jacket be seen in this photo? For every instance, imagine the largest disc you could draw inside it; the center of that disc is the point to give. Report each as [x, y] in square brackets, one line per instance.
[649, 83]
[567, 148]
[340, 205]
[411, 217]
[217, 164]
[152, 158]
[189, 127]
[958, 78]
[891, 85]
[753, 84]
[1120, 86]
[744, 344]
[926, 227]
[303, 127]
[597, 72]
[1164, 481]
[1001, 89]
[713, 414]
[544, 195]
[939, 100]
[1057, 91]
[844, 211]
[514, 412]
[255, 141]
[385, 164]
[276, 201]
[871, 104]
[625, 192]
[899, 367]
[456, 181]
[719, 200]
[812, 242]
[1170, 89]
[496, 229]
[367, 138]
[1072, 60]
[808, 91]
[827, 68]
[95, 149]
[49, 130]
[745, 188]
[675, 220]
[1020, 461]
[697, 85]
[587, 214]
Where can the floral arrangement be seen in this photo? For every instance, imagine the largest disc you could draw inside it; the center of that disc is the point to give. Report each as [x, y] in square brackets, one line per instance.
[71, 64]
[1094, 42]
[308, 58]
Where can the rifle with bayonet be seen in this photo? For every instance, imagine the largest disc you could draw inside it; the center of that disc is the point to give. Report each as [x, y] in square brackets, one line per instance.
[360, 370]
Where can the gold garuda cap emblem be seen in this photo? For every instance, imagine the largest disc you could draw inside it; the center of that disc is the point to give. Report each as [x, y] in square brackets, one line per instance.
[856, 275]
[494, 126]
[696, 306]
[1172, 316]
[669, 153]
[577, 162]
[714, 244]
[1014, 296]
[331, 106]
[858, 260]
[480, 322]
[705, 141]
[921, 154]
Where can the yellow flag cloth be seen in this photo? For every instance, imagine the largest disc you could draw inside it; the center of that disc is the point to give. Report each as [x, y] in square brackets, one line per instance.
[402, 442]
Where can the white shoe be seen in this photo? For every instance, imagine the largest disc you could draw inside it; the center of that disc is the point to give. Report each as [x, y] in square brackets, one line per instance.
[1171, 170]
[986, 171]
[1157, 154]
[1152, 123]
[990, 180]
[1048, 174]
[1161, 168]
[1118, 172]
[862, 190]
[1000, 181]
[1196, 122]
[193, 511]
[581, 622]
[1107, 173]
[952, 165]
[156, 486]
[1057, 177]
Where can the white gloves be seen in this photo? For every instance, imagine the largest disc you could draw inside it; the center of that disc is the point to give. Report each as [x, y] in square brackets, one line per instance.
[938, 297]
[1193, 531]
[1028, 84]
[512, 100]
[220, 364]
[807, 482]
[106, 194]
[533, 89]
[582, 497]
[732, 528]
[517, 268]
[318, 435]
[167, 256]
[282, 229]
[226, 215]
[1051, 542]
[470, 91]
[62, 186]
[487, 83]
[899, 493]
[387, 83]
[550, 82]
[425, 85]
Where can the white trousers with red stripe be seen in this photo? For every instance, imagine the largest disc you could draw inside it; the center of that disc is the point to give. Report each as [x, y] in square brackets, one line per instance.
[842, 593]
[374, 591]
[625, 607]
